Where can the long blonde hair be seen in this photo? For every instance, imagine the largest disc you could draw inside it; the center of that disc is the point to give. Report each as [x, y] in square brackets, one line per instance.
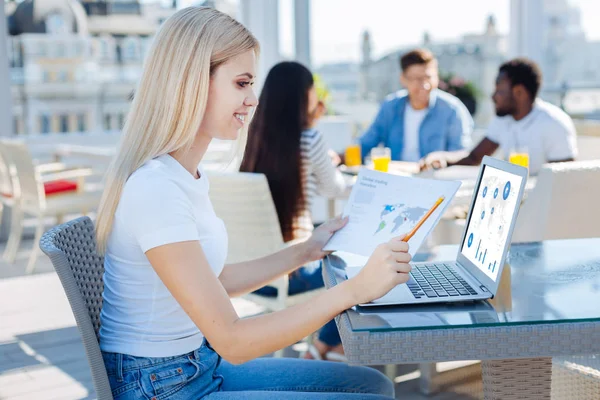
[171, 97]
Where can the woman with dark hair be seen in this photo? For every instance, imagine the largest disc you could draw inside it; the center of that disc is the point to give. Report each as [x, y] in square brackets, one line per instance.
[283, 145]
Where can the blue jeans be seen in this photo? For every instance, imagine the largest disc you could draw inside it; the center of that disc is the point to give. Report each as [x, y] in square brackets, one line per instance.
[202, 374]
[307, 278]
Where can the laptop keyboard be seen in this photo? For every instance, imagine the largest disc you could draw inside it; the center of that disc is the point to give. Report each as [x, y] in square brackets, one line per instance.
[437, 280]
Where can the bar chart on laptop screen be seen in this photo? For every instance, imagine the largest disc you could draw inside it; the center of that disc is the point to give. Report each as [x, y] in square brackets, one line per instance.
[492, 214]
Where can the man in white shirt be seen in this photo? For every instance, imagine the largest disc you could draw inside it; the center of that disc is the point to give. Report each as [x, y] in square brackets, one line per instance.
[524, 123]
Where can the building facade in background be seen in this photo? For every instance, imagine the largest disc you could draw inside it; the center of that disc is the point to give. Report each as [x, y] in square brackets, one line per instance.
[74, 65]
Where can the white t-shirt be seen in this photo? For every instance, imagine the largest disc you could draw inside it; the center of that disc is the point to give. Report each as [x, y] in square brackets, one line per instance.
[412, 124]
[547, 132]
[161, 203]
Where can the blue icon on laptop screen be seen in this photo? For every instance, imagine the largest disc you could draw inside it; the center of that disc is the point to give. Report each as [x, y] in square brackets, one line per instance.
[506, 190]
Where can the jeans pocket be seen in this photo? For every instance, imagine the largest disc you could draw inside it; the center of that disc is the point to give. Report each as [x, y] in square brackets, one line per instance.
[127, 388]
[169, 378]
[125, 391]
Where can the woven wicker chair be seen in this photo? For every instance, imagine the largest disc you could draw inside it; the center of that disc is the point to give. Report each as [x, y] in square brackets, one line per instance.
[576, 377]
[72, 249]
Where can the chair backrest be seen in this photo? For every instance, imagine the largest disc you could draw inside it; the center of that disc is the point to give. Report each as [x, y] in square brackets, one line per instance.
[26, 181]
[243, 201]
[6, 190]
[72, 249]
[563, 204]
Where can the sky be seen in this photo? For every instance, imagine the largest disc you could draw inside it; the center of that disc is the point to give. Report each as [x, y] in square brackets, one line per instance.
[337, 25]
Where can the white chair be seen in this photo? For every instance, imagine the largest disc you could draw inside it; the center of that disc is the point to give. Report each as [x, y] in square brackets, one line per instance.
[563, 204]
[243, 200]
[41, 191]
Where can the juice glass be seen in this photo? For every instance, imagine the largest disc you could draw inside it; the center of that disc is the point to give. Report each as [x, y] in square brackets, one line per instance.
[381, 157]
[519, 156]
[352, 156]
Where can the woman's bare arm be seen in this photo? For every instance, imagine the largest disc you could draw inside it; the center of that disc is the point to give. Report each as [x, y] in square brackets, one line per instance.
[241, 278]
[184, 270]
[245, 277]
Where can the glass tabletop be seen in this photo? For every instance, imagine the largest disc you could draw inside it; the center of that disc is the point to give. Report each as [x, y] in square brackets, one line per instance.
[542, 283]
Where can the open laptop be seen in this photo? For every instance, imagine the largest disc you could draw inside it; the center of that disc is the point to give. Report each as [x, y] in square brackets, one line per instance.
[475, 273]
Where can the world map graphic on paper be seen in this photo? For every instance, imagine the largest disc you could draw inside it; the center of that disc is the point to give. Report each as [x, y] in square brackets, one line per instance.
[399, 218]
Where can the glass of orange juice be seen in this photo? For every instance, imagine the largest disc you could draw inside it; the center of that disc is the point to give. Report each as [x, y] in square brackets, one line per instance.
[352, 156]
[381, 157]
[519, 156]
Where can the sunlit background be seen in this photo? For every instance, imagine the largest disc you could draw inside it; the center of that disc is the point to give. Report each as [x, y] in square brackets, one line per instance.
[69, 69]
[74, 65]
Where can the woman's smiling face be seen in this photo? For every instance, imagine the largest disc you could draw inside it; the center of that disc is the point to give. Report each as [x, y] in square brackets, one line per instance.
[231, 98]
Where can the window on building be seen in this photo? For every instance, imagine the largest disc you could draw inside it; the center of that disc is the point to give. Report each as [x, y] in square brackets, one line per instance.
[121, 120]
[105, 49]
[107, 122]
[16, 125]
[119, 53]
[63, 76]
[42, 49]
[12, 53]
[44, 123]
[130, 49]
[60, 50]
[56, 24]
[79, 49]
[81, 122]
[20, 56]
[64, 123]
[45, 76]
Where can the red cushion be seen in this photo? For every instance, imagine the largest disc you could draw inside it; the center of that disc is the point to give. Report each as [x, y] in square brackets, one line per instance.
[60, 186]
[53, 187]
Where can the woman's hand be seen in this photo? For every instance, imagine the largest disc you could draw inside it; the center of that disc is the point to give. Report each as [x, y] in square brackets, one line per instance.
[335, 157]
[313, 247]
[387, 267]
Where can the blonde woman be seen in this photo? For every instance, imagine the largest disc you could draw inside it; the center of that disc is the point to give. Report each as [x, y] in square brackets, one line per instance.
[169, 330]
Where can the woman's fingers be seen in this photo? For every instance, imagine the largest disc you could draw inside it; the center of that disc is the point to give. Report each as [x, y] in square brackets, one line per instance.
[402, 257]
[403, 268]
[397, 245]
[337, 223]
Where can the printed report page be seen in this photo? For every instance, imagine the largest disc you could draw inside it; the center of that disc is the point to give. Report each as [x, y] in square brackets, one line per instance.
[382, 206]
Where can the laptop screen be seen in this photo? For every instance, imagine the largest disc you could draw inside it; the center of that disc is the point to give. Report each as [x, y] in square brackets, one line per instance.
[490, 219]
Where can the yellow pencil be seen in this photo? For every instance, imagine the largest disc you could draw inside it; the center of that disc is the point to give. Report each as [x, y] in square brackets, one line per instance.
[422, 221]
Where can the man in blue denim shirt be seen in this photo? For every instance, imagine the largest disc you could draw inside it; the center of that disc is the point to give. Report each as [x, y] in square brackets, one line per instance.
[421, 119]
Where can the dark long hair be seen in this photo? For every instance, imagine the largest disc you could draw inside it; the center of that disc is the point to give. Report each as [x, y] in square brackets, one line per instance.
[273, 146]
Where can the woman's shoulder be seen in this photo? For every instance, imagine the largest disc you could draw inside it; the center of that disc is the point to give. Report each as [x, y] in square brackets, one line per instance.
[152, 174]
[151, 183]
[310, 134]
[309, 138]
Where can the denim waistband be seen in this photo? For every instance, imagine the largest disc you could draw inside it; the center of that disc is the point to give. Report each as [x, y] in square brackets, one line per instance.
[117, 363]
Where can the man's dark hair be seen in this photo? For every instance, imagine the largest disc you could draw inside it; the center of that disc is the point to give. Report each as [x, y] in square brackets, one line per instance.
[522, 71]
[416, 57]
